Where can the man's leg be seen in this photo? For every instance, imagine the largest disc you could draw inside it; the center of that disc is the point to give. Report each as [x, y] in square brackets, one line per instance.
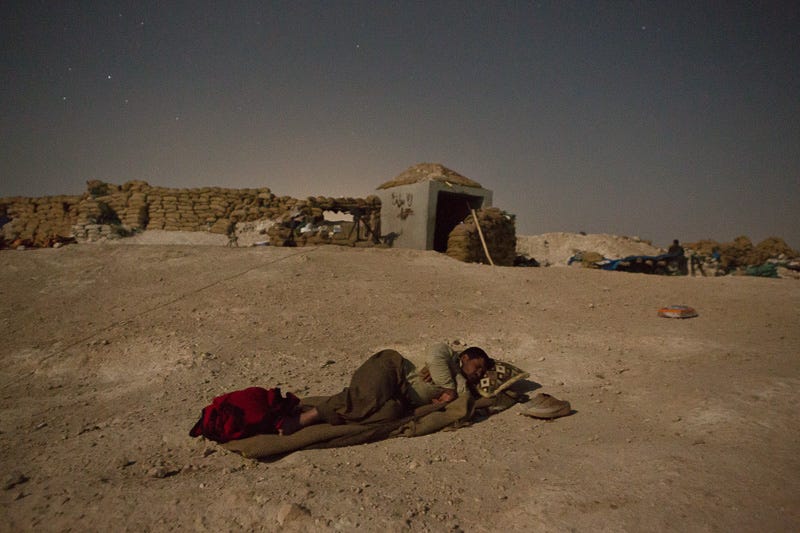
[299, 420]
[375, 382]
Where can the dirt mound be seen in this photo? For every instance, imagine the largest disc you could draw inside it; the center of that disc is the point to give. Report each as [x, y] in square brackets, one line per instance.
[557, 248]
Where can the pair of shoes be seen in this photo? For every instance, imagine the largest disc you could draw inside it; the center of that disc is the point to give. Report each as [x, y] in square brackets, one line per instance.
[545, 406]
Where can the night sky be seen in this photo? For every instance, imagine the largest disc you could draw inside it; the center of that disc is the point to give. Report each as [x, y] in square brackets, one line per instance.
[656, 119]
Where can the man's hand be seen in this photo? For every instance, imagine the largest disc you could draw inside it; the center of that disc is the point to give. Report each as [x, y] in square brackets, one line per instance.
[425, 374]
[447, 396]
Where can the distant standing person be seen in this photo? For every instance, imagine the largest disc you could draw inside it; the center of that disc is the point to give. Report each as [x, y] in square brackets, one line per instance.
[676, 248]
[230, 231]
[677, 251]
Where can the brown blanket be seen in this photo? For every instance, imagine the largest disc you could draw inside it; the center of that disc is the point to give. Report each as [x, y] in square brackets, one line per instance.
[425, 420]
[371, 408]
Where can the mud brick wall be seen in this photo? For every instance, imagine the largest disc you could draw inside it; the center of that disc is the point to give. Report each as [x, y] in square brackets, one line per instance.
[136, 205]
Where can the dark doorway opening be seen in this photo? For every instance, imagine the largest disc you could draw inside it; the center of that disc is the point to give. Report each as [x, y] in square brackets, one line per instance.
[451, 209]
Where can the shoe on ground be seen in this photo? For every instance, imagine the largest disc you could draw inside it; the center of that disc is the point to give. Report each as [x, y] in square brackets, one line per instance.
[545, 406]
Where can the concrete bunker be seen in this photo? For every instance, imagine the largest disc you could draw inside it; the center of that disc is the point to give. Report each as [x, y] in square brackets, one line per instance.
[451, 209]
[422, 205]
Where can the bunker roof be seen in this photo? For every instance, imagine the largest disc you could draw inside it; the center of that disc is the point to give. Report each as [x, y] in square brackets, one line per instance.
[429, 172]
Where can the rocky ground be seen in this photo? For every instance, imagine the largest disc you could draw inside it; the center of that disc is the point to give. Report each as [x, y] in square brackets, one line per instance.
[109, 352]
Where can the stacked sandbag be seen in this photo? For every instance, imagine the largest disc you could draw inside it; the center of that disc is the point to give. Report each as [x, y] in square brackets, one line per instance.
[23, 221]
[99, 215]
[280, 235]
[111, 210]
[589, 259]
[738, 254]
[203, 209]
[98, 232]
[38, 221]
[499, 232]
[771, 248]
[135, 215]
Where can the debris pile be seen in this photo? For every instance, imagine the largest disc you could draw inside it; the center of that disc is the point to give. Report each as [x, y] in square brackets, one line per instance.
[498, 227]
[740, 256]
[558, 248]
[311, 228]
[290, 233]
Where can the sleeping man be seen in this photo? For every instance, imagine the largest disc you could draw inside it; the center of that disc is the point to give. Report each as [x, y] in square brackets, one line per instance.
[387, 386]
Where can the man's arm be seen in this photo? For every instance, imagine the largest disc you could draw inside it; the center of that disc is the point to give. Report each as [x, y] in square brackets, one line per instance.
[439, 360]
[447, 396]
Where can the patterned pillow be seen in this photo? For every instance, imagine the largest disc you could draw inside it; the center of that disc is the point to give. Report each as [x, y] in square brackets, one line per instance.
[499, 378]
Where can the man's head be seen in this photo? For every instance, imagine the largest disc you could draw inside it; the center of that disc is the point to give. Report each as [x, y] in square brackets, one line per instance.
[474, 364]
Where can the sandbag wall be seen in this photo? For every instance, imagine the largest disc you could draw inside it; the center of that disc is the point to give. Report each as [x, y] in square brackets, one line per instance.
[38, 221]
[107, 210]
[499, 231]
[740, 253]
[206, 209]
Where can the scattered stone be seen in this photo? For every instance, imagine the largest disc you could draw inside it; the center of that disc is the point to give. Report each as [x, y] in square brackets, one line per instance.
[157, 472]
[161, 471]
[291, 512]
[87, 428]
[208, 451]
[14, 479]
[124, 462]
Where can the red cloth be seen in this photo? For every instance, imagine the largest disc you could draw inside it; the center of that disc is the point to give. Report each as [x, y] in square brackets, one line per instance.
[244, 413]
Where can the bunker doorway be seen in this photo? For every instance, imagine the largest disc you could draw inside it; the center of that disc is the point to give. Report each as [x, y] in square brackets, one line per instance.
[451, 209]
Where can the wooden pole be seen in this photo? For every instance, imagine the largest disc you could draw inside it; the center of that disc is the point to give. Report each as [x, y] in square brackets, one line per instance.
[480, 234]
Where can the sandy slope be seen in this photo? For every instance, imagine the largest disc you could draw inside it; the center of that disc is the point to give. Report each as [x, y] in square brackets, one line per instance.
[110, 352]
